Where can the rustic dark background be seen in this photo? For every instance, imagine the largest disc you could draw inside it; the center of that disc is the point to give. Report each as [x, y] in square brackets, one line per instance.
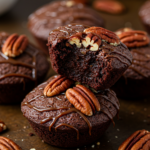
[134, 114]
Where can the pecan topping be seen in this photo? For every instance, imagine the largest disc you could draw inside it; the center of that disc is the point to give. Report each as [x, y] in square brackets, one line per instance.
[2, 126]
[7, 144]
[57, 86]
[15, 45]
[138, 140]
[92, 41]
[92, 38]
[83, 99]
[109, 6]
[105, 35]
[133, 38]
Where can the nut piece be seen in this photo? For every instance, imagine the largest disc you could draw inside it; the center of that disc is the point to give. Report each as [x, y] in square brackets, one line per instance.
[138, 140]
[7, 144]
[15, 45]
[75, 40]
[83, 99]
[2, 126]
[57, 86]
[104, 34]
[133, 38]
[92, 41]
[109, 6]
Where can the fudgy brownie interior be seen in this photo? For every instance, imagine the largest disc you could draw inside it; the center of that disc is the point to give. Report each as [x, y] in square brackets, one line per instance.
[98, 66]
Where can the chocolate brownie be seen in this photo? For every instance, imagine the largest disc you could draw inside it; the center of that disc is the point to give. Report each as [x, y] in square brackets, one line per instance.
[71, 129]
[60, 13]
[144, 14]
[90, 55]
[135, 82]
[19, 75]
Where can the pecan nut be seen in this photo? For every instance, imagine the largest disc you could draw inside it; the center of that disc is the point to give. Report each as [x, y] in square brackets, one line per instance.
[109, 6]
[133, 38]
[92, 41]
[2, 126]
[105, 35]
[15, 45]
[57, 86]
[83, 99]
[138, 140]
[7, 144]
[89, 40]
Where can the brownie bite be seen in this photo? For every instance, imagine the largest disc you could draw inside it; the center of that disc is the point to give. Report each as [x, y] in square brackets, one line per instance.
[60, 122]
[22, 67]
[135, 82]
[60, 13]
[89, 55]
[144, 14]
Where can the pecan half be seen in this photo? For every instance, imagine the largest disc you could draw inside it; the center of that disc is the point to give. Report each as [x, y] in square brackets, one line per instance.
[104, 34]
[92, 41]
[83, 99]
[138, 140]
[15, 45]
[89, 40]
[133, 38]
[7, 144]
[109, 6]
[57, 86]
[2, 126]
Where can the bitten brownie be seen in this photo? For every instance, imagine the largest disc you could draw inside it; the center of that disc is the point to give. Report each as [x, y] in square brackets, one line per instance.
[59, 123]
[89, 55]
[135, 82]
[60, 13]
[144, 14]
[22, 66]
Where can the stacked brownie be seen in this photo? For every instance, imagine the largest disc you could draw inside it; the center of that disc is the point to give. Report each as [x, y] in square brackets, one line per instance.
[76, 107]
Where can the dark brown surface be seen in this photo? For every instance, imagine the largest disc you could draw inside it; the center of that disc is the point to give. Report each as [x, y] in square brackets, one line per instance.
[134, 114]
[98, 69]
[89, 131]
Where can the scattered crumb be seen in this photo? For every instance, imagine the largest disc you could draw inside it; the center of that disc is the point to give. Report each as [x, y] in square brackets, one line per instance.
[78, 149]
[116, 137]
[31, 134]
[7, 135]
[22, 140]
[98, 143]
[24, 127]
[93, 146]
[32, 149]
[132, 113]
[42, 141]
[118, 129]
